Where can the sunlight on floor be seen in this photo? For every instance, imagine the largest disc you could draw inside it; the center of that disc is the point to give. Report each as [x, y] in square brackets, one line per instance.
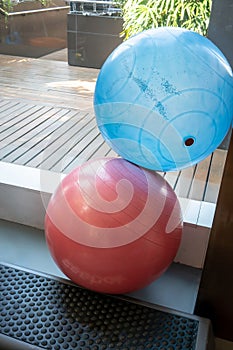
[82, 86]
[19, 60]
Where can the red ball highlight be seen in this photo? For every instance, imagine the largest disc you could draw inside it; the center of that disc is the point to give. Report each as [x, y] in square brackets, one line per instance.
[112, 226]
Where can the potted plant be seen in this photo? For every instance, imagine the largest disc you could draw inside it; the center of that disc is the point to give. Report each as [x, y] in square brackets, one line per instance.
[95, 28]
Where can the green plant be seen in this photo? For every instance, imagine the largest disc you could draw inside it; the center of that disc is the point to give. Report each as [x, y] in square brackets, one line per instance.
[6, 5]
[139, 15]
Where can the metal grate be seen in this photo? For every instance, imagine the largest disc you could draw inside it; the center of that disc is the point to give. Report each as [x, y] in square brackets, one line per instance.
[54, 314]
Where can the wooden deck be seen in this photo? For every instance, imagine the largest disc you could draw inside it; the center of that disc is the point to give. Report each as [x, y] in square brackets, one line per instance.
[47, 121]
[47, 137]
[47, 82]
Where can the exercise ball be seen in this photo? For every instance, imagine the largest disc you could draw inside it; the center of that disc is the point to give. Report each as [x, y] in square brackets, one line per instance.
[164, 98]
[112, 226]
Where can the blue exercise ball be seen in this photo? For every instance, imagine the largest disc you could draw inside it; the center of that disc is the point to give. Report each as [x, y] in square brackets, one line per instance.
[164, 98]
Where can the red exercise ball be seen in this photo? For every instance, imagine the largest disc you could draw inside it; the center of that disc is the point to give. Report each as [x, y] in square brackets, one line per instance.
[112, 226]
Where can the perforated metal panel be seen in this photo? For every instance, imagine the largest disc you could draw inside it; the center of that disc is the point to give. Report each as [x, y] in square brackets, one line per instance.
[51, 313]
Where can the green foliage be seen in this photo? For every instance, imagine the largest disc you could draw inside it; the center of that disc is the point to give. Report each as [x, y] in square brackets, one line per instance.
[140, 15]
[7, 5]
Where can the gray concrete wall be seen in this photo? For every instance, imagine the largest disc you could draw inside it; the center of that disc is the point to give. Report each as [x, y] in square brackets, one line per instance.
[221, 27]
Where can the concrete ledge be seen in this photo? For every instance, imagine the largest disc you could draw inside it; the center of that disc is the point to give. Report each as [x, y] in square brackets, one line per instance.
[25, 193]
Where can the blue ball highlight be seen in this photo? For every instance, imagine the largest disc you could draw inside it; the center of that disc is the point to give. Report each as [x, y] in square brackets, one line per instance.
[164, 99]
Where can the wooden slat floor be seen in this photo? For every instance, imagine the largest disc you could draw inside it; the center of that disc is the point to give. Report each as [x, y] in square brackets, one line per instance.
[47, 82]
[47, 121]
[46, 137]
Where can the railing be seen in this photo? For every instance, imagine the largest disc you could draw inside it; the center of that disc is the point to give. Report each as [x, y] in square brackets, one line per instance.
[94, 8]
[33, 10]
[29, 12]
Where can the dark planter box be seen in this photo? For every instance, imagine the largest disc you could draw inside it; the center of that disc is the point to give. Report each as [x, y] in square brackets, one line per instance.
[91, 38]
[32, 30]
